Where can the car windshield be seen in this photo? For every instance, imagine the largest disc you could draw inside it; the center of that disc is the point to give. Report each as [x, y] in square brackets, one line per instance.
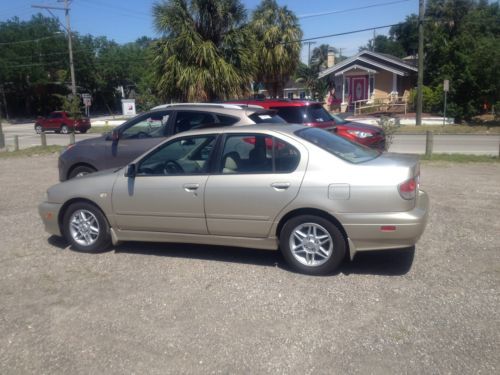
[339, 120]
[338, 146]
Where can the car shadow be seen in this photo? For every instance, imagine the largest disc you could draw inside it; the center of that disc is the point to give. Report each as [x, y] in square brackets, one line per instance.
[381, 262]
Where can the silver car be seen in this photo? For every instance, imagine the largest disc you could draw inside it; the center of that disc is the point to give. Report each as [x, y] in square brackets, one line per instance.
[316, 196]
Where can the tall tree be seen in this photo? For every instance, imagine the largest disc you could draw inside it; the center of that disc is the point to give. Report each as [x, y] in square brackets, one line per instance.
[204, 53]
[277, 48]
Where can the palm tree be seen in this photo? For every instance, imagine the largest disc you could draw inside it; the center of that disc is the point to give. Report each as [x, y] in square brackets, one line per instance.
[277, 47]
[308, 75]
[204, 54]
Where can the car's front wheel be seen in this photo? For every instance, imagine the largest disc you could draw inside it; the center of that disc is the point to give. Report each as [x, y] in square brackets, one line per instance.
[64, 129]
[312, 244]
[86, 228]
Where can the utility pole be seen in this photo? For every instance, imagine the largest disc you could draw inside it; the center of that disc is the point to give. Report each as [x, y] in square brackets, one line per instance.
[68, 31]
[420, 79]
[374, 36]
[309, 53]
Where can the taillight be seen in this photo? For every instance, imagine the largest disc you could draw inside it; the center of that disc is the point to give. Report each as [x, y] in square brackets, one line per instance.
[408, 189]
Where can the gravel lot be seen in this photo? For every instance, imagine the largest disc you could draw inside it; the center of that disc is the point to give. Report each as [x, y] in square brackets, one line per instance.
[147, 308]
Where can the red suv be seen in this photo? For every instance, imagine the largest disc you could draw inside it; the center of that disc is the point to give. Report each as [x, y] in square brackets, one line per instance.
[61, 122]
[313, 114]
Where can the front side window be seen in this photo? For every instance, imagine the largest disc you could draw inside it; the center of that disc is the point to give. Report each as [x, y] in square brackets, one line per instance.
[152, 125]
[292, 115]
[316, 113]
[257, 153]
[188, 155]
[338, 146]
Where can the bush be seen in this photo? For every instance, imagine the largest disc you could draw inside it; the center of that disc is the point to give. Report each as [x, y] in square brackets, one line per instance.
[432, 99]
[390, 127]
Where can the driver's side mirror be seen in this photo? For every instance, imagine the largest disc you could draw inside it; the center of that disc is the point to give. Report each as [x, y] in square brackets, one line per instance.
[115, 135]
[131, 171]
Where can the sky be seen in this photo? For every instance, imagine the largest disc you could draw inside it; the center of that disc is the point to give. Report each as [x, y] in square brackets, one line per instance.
[126, 20]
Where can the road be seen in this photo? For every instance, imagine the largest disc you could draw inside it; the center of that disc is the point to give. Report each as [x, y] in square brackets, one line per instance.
[413, 144]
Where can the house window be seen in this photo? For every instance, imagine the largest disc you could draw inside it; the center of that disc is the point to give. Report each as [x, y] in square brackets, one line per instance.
[290, 95]
[346, 87]
[372, 85]
[302, 95]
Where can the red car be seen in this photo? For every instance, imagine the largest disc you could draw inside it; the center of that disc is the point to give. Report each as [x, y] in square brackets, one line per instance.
[313, 114]
[61, 122]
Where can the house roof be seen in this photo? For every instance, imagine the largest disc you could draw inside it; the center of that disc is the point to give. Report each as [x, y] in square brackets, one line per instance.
[371, 60]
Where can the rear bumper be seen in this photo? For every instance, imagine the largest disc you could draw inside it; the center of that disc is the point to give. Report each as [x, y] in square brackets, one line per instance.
[49, 213]
[365, 230]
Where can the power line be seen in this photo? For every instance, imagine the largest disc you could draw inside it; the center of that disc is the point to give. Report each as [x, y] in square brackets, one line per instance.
[31, 40]
[344, 33]
[351, 9]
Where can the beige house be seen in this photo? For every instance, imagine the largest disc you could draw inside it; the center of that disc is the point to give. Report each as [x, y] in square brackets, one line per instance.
[368, 76]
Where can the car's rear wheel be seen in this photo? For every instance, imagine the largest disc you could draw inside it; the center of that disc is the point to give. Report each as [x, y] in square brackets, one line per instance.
[83, 131]
[86, 228]
[64, 129]
[80, 171]
[312, 244]
[38, 129]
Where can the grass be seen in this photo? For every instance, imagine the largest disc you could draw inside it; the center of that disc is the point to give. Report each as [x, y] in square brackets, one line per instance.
[32, 151]
[449, 129]
[461, 158]
[101, 129]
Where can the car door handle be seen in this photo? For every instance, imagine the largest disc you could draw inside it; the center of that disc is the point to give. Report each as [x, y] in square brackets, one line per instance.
[280, 185]
[191, 187]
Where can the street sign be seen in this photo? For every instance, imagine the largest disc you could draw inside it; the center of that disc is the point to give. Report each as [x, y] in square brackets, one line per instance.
[87, 102]
[446, 85]
[86, 96]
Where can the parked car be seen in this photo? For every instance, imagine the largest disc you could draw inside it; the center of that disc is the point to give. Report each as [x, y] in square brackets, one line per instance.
[313, 194]
[61, 122]
[314, 114]
[146, 130]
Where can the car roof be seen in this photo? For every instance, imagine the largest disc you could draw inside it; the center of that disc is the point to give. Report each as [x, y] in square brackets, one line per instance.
[268, 103]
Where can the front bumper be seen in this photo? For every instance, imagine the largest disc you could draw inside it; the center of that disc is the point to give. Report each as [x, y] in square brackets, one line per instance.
[365, 231]
[49, 212]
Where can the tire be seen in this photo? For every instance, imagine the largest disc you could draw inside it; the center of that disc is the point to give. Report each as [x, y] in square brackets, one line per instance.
[64, 129]
[83, 131]
[38, 129]
[86, 228]
[80, 171]
[312, 245]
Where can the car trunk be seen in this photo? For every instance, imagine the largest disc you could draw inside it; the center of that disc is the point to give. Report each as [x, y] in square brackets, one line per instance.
[389, 172]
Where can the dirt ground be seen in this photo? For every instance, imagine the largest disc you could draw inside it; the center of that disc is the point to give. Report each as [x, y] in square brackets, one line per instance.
[178, 309]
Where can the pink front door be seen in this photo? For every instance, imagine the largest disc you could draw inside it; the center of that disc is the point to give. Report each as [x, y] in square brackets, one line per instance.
[359, 88]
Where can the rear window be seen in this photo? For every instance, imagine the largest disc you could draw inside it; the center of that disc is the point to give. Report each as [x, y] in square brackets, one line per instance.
[338, 146]
[266, 117]
[305, 114]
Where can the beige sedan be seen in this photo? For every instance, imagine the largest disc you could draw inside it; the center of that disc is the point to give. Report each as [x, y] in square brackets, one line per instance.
[315, 196]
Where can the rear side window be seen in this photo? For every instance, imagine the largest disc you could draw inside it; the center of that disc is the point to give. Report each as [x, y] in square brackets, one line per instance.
[56, 115]
[252, 153]
[269, 117]
[223, 120]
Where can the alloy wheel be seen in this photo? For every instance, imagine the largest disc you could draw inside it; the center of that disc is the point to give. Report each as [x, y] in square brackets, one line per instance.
[84, 227]
[311, 244]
